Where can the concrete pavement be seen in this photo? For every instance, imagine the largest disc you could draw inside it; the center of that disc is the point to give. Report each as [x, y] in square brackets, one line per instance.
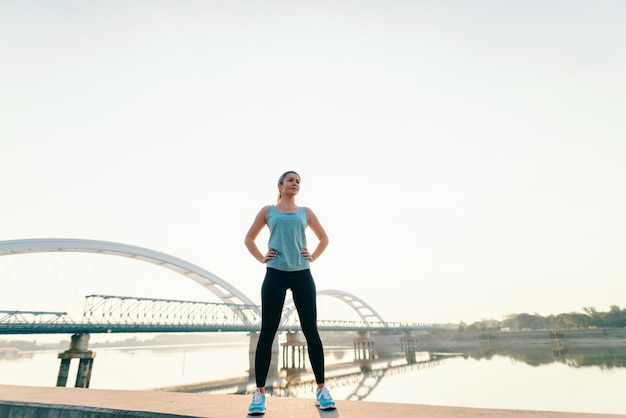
[61, 402]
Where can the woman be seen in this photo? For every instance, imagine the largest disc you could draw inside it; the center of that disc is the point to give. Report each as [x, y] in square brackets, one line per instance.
[288, 260]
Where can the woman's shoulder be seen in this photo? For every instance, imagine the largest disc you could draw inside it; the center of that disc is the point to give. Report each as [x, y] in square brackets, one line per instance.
[264, 210]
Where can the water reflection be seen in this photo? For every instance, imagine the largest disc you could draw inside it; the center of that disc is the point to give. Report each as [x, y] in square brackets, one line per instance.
[360, 373]
[574, 353]
[364, 369]
[362, 376]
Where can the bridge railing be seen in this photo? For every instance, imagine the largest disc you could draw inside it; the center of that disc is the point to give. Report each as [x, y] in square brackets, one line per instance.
[371, 325]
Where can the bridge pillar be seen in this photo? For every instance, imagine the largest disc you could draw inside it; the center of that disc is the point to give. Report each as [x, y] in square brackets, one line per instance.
[363, 346]
[254, 340]
[64, 371]
[294, 354]
[364, 350]
[78, 349]
[408, 343]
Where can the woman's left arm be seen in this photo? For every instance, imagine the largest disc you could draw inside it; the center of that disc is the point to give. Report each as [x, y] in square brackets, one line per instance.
[321, 235]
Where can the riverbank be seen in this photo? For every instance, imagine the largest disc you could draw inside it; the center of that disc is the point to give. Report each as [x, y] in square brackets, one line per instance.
[44, 402]
[455, 341]
[475, 343]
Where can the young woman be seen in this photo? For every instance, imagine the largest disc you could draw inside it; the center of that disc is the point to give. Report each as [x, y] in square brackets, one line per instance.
[288, 260]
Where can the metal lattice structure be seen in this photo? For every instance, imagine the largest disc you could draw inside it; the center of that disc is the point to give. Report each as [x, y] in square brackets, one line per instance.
[32, 322]
[137, 311]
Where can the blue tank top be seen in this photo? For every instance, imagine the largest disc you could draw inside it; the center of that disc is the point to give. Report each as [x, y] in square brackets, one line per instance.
[287, 237]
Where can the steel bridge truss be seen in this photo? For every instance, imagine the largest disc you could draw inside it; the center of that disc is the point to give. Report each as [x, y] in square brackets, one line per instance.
[134, 312]
[124, 314]
[18, 322]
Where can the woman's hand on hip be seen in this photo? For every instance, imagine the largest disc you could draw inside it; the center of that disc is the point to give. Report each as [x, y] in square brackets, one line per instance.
[306, 254]
[270, 255]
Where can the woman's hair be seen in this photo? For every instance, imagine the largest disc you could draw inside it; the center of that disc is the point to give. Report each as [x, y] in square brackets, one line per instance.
[281, 179]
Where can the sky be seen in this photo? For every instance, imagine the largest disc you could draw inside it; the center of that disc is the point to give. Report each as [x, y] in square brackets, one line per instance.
[464, 157]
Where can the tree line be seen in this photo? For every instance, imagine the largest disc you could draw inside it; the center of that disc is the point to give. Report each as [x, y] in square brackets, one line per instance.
[615, 317]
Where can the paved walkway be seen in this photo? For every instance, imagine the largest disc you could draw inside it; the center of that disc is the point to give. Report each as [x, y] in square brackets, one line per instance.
[59, 402]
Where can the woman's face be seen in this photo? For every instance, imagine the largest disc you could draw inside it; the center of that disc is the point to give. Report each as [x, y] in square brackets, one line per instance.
[291, 185]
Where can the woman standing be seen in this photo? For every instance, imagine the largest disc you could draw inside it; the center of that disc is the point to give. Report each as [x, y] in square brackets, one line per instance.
[288, 260]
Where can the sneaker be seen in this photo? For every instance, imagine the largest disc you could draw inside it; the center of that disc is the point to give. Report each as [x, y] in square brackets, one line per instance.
[257, 406]
[323, 399]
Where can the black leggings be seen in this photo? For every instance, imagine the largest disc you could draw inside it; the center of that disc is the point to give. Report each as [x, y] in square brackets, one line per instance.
[273, 293]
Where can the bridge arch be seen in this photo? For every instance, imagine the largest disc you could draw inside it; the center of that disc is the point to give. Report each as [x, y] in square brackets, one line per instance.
[219, 287]
[364, 310]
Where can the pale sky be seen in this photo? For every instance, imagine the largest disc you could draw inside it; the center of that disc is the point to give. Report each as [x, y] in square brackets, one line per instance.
[465, 157]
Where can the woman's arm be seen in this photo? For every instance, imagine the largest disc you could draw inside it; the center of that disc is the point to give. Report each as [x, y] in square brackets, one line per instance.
[253, 232]
[321, 235]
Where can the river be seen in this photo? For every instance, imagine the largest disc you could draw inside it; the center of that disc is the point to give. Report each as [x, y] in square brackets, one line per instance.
[564, 381]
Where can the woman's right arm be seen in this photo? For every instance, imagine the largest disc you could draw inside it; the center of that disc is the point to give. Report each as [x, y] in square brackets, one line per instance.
[253, 232]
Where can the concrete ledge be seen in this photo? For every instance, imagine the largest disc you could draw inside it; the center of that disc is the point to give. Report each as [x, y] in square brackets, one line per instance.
[57, 402]
[38, 410]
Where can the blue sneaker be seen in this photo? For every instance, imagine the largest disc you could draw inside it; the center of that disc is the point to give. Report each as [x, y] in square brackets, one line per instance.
[323, 399]
[257, 406]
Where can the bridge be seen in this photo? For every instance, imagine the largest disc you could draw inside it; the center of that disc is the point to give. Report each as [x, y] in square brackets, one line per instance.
[129, 314]
[133, 314]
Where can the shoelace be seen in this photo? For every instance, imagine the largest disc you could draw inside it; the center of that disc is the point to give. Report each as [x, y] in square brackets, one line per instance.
[257, 398]
[325, 394]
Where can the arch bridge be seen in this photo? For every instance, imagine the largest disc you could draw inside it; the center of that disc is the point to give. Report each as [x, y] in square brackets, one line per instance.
[116, 314]
[107, 313]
